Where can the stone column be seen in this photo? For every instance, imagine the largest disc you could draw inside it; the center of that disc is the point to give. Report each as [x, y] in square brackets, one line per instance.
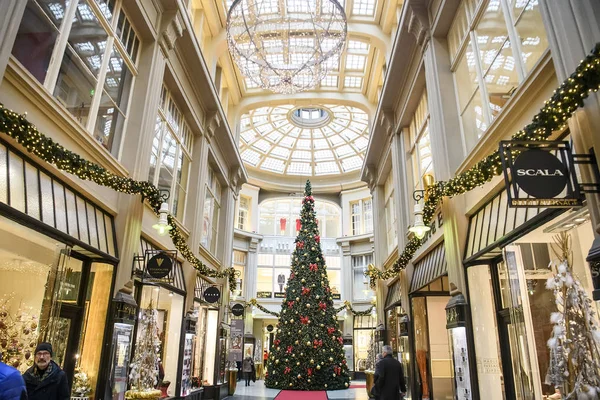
[573, 28]
[448, 153]
[347, 271]
[11, 14]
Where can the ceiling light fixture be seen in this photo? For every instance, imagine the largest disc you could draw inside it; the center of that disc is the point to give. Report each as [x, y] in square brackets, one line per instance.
[283, 46]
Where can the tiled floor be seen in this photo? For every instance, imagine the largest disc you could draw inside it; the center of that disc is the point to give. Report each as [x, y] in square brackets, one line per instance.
[258, 391]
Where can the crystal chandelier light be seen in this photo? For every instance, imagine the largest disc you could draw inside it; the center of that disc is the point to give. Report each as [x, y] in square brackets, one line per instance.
[286, 46]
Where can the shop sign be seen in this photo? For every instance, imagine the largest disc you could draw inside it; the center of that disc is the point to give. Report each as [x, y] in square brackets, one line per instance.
[237, 340]
[237, 310]
[212, 294]
[280, 295]
[543, 174]
[270, 328]
[336, 296]
[264, 295]
[160, 265]
[456, 312]
[124, 312]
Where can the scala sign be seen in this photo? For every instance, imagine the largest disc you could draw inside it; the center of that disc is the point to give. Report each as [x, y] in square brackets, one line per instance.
[541, 174]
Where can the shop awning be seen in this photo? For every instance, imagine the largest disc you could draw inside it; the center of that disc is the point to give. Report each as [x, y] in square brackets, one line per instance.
[37, 198]
[394, 294]
[173, 281]
[429, 268]
[496, 224]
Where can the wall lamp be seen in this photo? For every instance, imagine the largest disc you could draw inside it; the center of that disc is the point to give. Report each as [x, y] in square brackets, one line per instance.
[419, 228]
[163, 226]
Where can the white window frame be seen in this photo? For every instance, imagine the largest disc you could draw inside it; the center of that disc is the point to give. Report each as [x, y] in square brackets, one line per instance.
[365, 260]
[243, 213]
[182, 134]
[240, 265]
[213, 193]
[419, 124]
[390, 214]
[60, 48]
[360, 222]
[474, 10]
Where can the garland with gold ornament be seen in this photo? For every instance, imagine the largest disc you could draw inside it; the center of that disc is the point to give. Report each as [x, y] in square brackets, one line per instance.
[25, 133]
[346, 306]
[552, 117]
[254, 303]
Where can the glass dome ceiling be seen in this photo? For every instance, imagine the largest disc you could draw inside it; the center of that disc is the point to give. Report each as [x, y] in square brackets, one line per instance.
[311, 141]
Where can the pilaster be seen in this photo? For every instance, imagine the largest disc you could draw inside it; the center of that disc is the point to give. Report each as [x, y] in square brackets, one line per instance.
[573, 29]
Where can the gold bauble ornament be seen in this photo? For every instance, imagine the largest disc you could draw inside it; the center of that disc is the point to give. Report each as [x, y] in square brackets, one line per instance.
[318, 367]
[277, 361]
[312, 361]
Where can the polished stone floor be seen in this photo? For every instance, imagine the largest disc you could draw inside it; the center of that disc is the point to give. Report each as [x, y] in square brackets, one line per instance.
[258, 391]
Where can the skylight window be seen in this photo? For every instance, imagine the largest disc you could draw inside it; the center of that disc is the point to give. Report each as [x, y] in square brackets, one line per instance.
[330, 81]
[356, 46]
[286, 146]
[355, 62]
[363, 7]
[353, 82]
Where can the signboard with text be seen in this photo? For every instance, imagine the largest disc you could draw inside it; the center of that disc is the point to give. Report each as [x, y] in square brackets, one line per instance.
[540, 174]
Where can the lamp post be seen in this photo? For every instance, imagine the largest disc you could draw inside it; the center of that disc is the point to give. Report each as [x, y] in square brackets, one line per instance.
[162, 226]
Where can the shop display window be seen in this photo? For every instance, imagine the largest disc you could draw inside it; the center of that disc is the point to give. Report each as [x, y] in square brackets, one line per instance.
[364, 327]
[169, 308]
[485, 331]
[198, 349]
[522, 274]
[212, 324]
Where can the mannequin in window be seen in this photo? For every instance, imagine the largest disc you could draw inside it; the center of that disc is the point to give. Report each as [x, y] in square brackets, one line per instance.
[281, 281]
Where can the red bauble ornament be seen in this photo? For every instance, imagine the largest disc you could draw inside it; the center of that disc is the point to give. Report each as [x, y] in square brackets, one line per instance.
[277, 342]
[300, 245]
[322, 306]
[289, 350]
[287, 370]
[305, 291]
[330, 330]
[313, 267]
[290, 304]
[318, 239]
[341, 340]
[304, 320]
[309, 371]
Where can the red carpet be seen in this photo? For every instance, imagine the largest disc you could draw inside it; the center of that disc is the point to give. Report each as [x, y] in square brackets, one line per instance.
[358, 386]
[297, 395]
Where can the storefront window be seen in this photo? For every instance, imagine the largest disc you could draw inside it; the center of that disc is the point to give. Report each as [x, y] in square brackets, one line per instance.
[212, 324]
[485, 331]
[199, 345]
[169, 308]
[361, 289]
[364, 327]
[523, 273]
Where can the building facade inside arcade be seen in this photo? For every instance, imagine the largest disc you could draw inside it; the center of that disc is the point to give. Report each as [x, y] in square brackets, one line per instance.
[179, 237]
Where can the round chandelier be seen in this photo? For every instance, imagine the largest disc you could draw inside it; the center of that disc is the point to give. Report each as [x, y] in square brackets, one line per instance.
[286, 46]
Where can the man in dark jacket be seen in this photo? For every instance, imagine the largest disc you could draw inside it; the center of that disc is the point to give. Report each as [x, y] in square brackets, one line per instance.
[12, 386]
[45, 380]
[389, 377]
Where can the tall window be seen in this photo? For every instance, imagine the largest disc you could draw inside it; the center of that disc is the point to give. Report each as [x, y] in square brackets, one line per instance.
[362, 216]
[212, 206]
[171, 153]
[239, 264]
[91, 71]
[281, 217]
[243, 213]
[420, 144]
[493, 44]
[390, 213]
[361, 288]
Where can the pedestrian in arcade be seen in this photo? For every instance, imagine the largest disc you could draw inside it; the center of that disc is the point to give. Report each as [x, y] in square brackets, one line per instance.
[247, 368]
[389, 377]
[12, 386]
[45, 380]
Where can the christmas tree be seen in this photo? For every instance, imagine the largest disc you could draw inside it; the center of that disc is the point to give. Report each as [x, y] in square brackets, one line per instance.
[308, 351]
[18, 335]
[575, 342]
[81, 383]
[143, 376]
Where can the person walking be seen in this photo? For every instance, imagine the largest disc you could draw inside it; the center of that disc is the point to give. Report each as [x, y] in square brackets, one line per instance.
[247, 368]
[12, 386]
[45, 380]
[389, 377]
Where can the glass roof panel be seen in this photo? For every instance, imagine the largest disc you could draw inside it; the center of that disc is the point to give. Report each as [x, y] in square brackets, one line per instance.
[282, 140]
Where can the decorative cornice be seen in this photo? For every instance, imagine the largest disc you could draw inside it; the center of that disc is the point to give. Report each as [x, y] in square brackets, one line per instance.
[370, 176]
[236, 181]
[212, 123]
[418, 23]
[173, 30]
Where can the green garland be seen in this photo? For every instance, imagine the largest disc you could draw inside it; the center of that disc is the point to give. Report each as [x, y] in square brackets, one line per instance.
[347, 306]
[25, 133]
[553, 116]
[254, 303]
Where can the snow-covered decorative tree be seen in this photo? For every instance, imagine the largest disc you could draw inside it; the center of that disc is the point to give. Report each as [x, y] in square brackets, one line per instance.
[258, 357]
[81, 383]
[370, 361]
[308, 351]
[143, 376]
[575, 343]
